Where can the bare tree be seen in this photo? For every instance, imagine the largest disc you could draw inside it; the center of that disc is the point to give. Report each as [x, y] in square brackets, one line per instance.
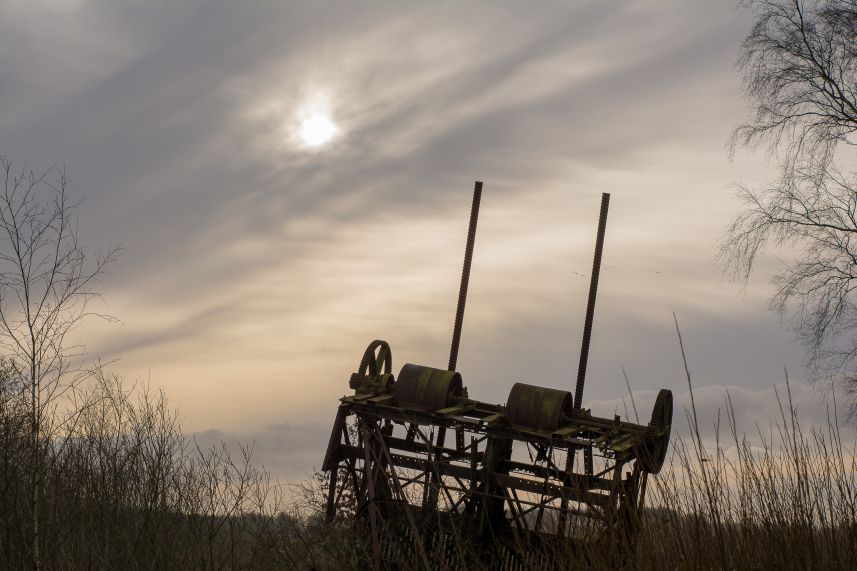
[46, 283]
[800, 74]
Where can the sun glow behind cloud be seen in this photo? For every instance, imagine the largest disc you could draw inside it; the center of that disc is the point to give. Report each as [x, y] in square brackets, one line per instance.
[317, 129]
[315, 124]
[327, 205]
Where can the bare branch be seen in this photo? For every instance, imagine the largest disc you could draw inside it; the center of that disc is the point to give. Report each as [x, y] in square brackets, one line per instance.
[800, 74]
[46, 284]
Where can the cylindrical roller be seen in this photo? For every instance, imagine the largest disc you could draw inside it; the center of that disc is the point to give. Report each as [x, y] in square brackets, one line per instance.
[538, 407]
[426, 388]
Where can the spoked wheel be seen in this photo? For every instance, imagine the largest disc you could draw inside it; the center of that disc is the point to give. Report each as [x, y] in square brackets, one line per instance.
[654, 452]
[377, 360]
[376, 357]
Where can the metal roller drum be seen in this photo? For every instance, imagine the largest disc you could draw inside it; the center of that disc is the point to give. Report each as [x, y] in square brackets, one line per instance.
[538, 407]
[426, 388]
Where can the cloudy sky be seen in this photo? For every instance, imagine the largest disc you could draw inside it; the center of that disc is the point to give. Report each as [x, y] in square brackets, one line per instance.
[256, 266]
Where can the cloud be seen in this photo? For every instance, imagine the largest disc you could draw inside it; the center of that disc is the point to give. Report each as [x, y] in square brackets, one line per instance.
[752, 411]
[289, 451]
[255, 272]
[293, 451]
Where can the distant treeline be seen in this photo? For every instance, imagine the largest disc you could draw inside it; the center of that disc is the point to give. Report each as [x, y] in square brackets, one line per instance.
[121, 487]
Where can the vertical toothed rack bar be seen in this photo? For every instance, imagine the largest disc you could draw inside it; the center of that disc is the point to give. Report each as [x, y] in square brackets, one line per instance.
[590, 305]
[465, 276]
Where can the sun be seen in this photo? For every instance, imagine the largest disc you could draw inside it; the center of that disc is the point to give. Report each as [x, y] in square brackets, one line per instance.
[317, 128]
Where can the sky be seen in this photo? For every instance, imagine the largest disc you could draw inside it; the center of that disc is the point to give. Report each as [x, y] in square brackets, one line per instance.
[255, 267]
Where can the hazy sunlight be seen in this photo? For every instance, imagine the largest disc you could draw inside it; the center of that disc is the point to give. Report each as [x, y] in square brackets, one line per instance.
[317, 128]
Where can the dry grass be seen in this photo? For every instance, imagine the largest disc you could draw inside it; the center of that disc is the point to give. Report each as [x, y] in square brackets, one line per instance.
[781, 499]
[786, 499]
[127, 490]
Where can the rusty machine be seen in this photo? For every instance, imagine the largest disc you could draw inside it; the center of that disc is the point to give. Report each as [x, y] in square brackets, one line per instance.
[412, 453]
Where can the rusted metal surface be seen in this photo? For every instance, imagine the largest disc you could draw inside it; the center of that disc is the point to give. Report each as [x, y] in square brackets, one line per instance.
[654, 452]
[538, 467]
[427, 388]
[590, 303]
[465, 276]
[579, 479]
[538, 407]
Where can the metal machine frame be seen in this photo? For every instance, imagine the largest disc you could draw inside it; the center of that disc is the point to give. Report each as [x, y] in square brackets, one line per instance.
[539, 468]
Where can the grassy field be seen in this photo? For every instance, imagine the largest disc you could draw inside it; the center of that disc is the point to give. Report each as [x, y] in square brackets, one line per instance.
[126, 489]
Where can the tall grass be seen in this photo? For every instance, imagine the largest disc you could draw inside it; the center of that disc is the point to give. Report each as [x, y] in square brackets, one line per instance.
[126, 489]
[785, 498]
[781, 498]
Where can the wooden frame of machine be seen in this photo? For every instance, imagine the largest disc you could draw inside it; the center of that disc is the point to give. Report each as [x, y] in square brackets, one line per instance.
[413, 454]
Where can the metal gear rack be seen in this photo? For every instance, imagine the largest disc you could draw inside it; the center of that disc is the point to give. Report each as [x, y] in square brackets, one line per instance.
[538, 469]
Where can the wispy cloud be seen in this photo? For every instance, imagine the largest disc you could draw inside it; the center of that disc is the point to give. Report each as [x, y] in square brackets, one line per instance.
[255, 271]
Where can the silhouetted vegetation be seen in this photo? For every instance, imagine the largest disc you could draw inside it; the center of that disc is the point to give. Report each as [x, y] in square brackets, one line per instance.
[97, 473]
[125, 489]
[800, 76]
